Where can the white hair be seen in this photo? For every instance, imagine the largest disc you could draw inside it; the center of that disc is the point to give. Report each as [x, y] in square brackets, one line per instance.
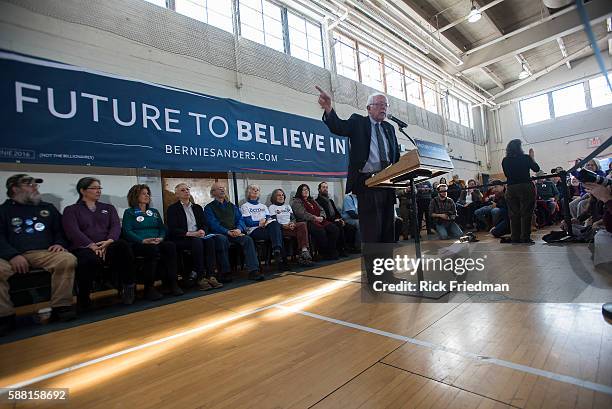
[253, 187]
[176, 188]
[376, 94]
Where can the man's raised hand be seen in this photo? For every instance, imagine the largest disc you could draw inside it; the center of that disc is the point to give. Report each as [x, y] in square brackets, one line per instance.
[324, 100]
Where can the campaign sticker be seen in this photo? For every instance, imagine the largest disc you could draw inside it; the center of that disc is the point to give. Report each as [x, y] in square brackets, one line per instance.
[16, 221]
[17, 230]
[103, 211]
[29, 222]
[44, 213]
[139, 219]
[29, 230]
[39, 226]
[149, 213]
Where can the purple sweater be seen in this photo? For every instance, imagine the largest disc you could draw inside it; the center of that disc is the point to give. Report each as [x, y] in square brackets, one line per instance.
[83, 227]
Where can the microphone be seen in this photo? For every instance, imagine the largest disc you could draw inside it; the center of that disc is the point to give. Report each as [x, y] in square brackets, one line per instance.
[399, 122]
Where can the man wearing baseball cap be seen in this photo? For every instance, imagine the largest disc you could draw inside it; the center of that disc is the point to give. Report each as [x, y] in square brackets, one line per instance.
[31, 237]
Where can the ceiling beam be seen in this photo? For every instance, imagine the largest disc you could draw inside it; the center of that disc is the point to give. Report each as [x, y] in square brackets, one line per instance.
[578, 54]
[563, 51]
[549, 29]
[493, 77]
[462, 19]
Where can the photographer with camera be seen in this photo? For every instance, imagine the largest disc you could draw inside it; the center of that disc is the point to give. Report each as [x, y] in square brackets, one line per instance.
[443, 212]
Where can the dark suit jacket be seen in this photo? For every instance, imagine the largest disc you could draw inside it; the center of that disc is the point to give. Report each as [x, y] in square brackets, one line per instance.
[177, 220]
[358, 129]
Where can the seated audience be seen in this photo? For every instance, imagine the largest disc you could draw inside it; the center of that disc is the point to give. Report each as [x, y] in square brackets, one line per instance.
[144, 228]
[188, 230]
[577, 206]
[469, 201]
[444, 213]
[454, 188]
[547, 198]
[494, 213]
[93, 229]
[347, 231]
[31, 237]
[285, 217]
[324, 233]
[262, 226]
[225, 218]
[350, 214]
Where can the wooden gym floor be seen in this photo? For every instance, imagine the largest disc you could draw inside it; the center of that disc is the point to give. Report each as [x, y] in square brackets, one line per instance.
[307, 341]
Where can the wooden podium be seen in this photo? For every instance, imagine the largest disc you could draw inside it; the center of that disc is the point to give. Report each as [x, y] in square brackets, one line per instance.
[427, 161]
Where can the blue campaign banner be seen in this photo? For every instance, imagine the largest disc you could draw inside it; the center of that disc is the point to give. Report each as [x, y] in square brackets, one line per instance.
[61, 114]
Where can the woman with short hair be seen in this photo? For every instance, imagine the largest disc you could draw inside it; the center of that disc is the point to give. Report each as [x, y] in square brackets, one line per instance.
[144, 228]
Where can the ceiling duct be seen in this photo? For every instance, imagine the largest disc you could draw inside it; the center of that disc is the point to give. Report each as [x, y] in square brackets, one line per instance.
[557, 4]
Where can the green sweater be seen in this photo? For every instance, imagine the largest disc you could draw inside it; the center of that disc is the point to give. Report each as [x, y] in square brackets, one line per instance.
[139, 225]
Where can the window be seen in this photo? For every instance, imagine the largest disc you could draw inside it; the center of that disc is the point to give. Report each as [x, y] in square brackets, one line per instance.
[569, 100]
[464, 115]
[261, 22]
[429, 96]
[413, 89]
[305, 39]
[161, 3]
[395, 79]
[534, 109]
[453, 108]
[600, 92]
[370, 63]
[217, 13]
[346, 56]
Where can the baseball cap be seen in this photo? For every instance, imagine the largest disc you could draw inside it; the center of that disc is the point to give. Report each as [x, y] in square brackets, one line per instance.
[21, 178]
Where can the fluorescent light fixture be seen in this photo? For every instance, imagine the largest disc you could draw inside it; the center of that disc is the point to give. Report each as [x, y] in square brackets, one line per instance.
[474, 15]
[524, 73]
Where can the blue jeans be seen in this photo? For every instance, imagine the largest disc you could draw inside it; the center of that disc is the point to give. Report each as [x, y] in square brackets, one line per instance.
[271, 232]
[248, 248]
[451, 230]
[500, 221]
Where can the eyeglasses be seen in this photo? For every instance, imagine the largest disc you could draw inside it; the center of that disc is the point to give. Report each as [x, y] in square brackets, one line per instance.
[379, 104]
[29, 183]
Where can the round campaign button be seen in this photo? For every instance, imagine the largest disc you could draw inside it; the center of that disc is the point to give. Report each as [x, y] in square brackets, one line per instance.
[16, 221]
[149, 213]
[29, 230]
[139, 219]
[17, 230]
[39, 226]
[44, 213]
[29, 222]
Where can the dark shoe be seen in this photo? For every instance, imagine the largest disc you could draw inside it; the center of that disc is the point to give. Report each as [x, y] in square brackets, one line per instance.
[129, 294]
[527, 241]
[191, 280]
[152, 294]
[278, 259]
[507, 240]
[175, 289]
[7, 324]
[226, 278]
[342, 254]
[256, 276]
[84, 303]
[63, 314]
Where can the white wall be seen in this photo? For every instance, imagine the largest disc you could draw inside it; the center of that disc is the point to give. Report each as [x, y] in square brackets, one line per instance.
[139, 40]
[560, 141]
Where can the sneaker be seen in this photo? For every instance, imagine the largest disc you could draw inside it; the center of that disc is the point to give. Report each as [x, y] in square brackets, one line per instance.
[306, 254]
[152, 294]
[7, 324]
[214, 283]
[303, 261]
[63, 314]
[175, 289]
[129, 294]
[204, 284]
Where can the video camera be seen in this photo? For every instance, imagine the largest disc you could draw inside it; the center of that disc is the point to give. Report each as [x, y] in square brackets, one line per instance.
[585, 175]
